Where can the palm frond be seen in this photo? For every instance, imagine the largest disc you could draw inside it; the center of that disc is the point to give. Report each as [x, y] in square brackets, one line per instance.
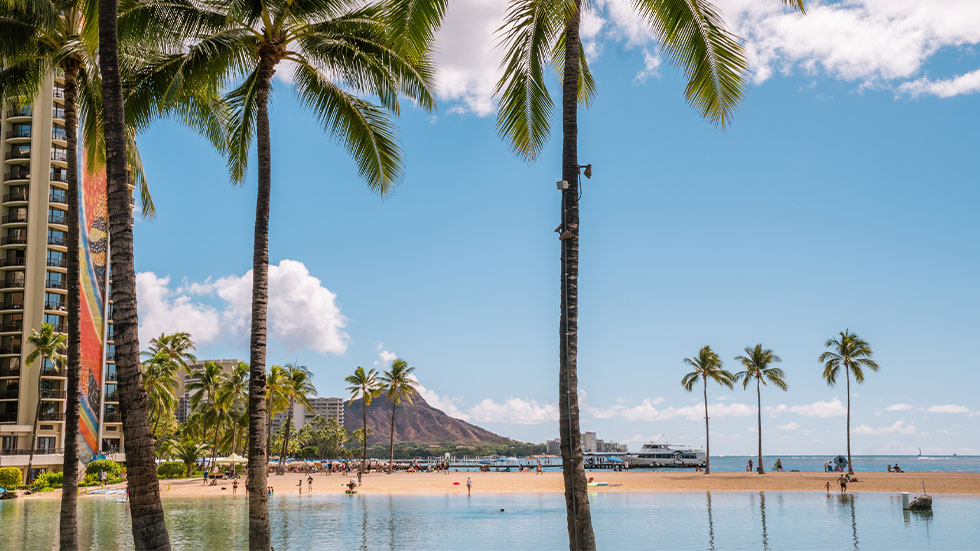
[413, 23]
[586, 82]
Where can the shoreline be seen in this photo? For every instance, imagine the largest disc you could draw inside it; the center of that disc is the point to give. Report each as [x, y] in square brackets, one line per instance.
[441, 484]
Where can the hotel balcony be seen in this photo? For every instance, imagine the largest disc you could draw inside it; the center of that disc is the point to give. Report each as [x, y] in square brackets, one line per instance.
[51, 372]
[52, 416]
[56, 284]
[19, 134]
[15, 175]
[112, 418]
[11, 327]
[58, 113]
[27, 451]
[13, 262]
[58, 93]
[53, 394]
[59, 219]
[58, 196]
[19, 195]
[10, 372]
[59, 135]
[9, 394]
[12, 306]
[17, 155]
[10, 349]
[112, 396]
[23, 111]
[53, 262]
[58, 240]
[13, 240]
[59, 155]
[56, 306]
[12, 283]
[19, 218]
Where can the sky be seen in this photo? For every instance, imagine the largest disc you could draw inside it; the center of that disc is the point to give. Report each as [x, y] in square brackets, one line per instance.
[842, 196]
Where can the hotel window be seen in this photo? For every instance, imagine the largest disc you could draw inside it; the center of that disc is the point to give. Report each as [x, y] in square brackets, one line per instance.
[58, 259]
[57, 216]
[56, 320]
[8, 442]
[10, 344]
[54, 301]
[56, 280]
[58, 133]
[16, 235]
[57, 237]
[45, 443]
[20, 151]
[21, 130]
[110, 445]
[13, 301]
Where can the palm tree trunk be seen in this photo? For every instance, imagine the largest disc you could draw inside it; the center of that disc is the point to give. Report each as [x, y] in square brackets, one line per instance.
[68, 532]
[259, 538]
[360, 472]
[391, 447]
[758, 396]
[149, 528]
[285, 438]
[850, 464]
[214, 448]
[707, 433]
[579, 518]
[37, 416]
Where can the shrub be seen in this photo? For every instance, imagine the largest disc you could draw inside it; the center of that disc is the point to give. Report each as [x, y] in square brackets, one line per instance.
[10, 477]
[111, 468]
[47, 481]
[171, 469]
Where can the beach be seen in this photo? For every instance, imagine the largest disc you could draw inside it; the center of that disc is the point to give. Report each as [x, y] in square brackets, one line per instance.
[551, 482]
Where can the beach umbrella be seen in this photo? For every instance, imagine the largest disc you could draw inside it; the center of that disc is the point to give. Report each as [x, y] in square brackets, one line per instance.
[615, 459]
[233, 459]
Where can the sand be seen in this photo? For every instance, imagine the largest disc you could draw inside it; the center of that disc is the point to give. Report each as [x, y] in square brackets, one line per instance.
[551, 482]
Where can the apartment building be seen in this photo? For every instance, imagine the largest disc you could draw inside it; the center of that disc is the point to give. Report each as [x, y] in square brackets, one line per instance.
[33, 289]
[326, 407]
[183, 379]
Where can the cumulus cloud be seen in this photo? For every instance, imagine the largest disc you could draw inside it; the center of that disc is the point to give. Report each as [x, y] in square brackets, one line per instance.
[302, 312]
[163, 310]
[968, 83]
[516, 411]
[948, 408]
[898, 427]
[899, 407]
[385, 357]
[789, 426]
[821, 408]
[647, 411]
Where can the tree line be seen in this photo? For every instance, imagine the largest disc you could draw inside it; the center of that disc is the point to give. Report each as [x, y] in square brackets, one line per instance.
[210, 64]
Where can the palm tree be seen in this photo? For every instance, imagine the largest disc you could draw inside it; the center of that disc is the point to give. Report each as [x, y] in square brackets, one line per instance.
[186, 450]
[236, 391]
[852, 353]
[399, 384]
[275, 399]
[363, 385]
[203, 388]
[51, 346]
[707, 365]
[756, 363]
[297, 389]
[341, 52]
[160, 381]
[178, 348]
[536, 32]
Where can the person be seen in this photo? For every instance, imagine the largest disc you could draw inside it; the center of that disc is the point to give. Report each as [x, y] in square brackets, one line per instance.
[234, 487]
[539, 467]
[299, 484]
[826, 466]
[779, 465]
[102, 478]
[890, 469]
[205, 477]
[469, 486]
[351, 485]
[828, 486]
[309, 484]
[843, 483]
[749, 470]
[898, 469]
[271, 491]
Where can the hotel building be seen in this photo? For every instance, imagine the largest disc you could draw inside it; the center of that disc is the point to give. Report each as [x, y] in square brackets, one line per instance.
[33, 289]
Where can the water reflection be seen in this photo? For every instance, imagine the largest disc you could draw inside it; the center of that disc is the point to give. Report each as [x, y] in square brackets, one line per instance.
[711, 526]
[848, 501]
[762, 509]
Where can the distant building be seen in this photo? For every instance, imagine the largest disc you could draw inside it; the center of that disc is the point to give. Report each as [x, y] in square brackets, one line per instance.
[183, 379]
[588, 442]
[554, 447]
[328, 408]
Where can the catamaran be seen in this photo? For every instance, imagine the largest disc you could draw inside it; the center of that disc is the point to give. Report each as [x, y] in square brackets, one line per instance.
[656, 454]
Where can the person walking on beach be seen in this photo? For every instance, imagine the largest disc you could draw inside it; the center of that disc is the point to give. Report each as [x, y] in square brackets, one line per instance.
[234, 487]
[749, 470]
[309, 484]
[469, 486]
[843, 483]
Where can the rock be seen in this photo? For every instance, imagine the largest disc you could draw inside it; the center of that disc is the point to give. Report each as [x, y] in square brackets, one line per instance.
[921, 503]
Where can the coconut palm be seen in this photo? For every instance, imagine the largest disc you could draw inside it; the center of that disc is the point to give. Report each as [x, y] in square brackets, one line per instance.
[178, 348]
[363, 385]
[235, 389]
[297, 388]
[275, 399]
[188, 451]
[160, 381]
[49, 346]
[203, 388]
[756, 363]
[853, 354]
[340, 53]
[399, 384]
[538, 32]
[707, 365]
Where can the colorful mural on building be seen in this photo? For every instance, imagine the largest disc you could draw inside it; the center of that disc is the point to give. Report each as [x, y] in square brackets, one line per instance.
[93, 249]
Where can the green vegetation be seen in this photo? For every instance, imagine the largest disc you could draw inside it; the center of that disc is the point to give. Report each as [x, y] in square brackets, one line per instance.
[47, 481]
[10, 477]
[853, 354]
[49, 347]
[756, 363]
[707, 365]
[363, 385]
[110, 467]
[172, 469]
[398, 383]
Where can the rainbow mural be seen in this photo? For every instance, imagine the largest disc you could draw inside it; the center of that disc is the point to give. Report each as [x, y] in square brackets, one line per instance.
[93, 256]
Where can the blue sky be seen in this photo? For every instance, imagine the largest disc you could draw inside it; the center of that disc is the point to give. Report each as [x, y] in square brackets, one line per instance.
[842, 196]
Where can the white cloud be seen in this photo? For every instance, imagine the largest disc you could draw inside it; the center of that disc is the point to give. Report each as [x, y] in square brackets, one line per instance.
[789, 426]
[968, 83]
[899, 407]
[898, 427]
[466, 57]
[302, 312]
[948, 408]
[385, 358]
[444, 403]
[821, 408]
[516, 411]
[162, 310]
[647, 411]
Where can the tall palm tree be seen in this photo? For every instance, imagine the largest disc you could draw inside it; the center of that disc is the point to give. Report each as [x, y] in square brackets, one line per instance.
[275, 399]
[51, 346]
[160, 381]
[178, 348]
[297, 388]
[756, 363]
[853, 354]
[363, 385]
[236, 389]
[203, 388]
[186, 450]
[63, 34]
[341, 53]
[536, 32]
[707, 365]
[398, 384]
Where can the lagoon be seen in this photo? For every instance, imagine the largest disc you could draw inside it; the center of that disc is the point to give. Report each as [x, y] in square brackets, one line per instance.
[682, 520]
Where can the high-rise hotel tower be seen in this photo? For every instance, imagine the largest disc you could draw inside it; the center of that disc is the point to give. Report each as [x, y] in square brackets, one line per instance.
[33, 289]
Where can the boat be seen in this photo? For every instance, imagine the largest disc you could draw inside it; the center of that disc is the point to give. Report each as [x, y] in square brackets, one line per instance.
[656, 454]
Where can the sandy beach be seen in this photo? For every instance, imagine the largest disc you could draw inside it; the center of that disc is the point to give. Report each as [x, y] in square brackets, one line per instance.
[550, 482]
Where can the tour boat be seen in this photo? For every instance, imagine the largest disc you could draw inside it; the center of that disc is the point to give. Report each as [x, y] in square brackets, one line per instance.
[656, 454]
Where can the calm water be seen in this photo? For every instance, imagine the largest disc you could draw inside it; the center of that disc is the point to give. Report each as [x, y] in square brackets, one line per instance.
[689, 521]
[940, 463]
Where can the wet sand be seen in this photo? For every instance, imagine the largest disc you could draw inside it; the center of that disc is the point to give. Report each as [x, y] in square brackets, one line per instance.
[551, 482]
